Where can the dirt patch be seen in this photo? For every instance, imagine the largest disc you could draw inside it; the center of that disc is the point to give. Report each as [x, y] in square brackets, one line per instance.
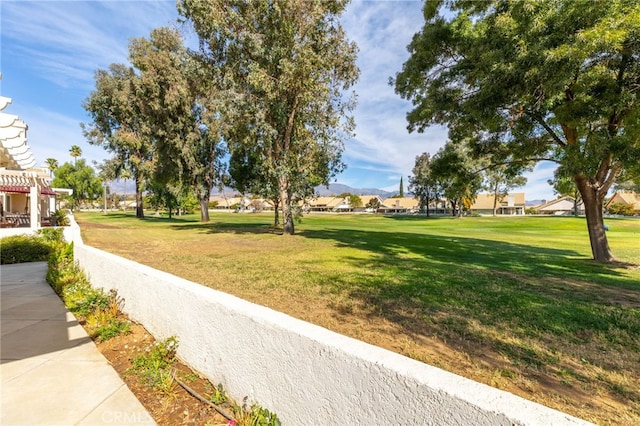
[177, 407]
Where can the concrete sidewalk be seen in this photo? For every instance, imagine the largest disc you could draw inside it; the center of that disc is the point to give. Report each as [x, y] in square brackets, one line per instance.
[51, 371]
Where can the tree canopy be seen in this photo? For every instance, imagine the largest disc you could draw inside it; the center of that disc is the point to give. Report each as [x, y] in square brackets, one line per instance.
[534, 80]
[284, 65]
[182, 108]
[423, 183]
[81, 178]
[118, 126]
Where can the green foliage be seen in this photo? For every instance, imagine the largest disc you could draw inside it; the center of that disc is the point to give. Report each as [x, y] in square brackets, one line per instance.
[455, 170]
[532, 81]
[59, 218]
[181, 106]
[531, 210]
[219, 395]
[373, 203]
[100, 310]
[24, 248]
[51, 235]
[355, 201]
[81, 178]
[621, 209]
[252, 415]
[285, 110]
[62, 270]
[154, 365]
[118, 125]
[424, 183]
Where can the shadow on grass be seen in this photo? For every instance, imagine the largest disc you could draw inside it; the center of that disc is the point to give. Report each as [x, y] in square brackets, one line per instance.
[239, 227]
[459, 288]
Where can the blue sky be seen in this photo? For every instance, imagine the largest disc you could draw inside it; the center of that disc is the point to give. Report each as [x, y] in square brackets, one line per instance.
[51, 49]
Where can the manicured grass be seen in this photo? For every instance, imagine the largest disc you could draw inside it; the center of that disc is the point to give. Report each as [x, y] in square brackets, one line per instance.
[513, 302]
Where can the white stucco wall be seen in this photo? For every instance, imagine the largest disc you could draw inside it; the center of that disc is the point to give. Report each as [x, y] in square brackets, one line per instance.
[306, 374]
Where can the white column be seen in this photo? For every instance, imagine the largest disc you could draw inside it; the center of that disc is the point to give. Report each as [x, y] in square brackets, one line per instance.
[34, 207]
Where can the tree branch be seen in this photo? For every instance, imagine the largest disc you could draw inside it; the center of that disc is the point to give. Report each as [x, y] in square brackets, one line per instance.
[549, 130]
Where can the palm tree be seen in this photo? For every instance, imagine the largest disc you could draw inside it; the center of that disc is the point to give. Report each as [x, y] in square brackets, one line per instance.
[75, 152]
[124, 175]
[52, 164]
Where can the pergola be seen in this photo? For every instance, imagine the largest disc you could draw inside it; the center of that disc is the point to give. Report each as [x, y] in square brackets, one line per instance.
[24, 190]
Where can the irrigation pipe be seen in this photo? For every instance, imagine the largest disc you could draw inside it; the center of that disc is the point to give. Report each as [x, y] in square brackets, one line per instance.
[206, 401]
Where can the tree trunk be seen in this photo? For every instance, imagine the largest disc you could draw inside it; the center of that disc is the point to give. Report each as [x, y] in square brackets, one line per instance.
[139, 206]
[495, 199]
[276, 216]
[202, 193]
[287, 215]
[204, 209]
[592, 200]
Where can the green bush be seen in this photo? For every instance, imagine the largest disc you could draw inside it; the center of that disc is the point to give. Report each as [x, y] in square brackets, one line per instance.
[621, 209]
[24, 248]
[59, 218]
[100, 310]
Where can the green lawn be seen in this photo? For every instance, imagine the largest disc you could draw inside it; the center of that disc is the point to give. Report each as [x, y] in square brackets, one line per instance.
[514, 302]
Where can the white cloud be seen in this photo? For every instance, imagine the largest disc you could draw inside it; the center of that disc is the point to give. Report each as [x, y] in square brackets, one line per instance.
[66, 41]
[382, 143]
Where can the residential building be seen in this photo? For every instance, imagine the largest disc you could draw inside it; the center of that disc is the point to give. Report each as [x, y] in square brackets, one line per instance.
[510, 204]
[26, 200]
[562, 206]
[400, 205]
[625, 197]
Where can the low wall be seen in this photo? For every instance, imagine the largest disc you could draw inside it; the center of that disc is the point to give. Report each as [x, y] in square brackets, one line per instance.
[306, 374]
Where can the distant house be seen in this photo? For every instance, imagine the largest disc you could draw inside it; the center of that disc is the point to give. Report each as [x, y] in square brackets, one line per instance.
[510, 204]
[326, 204]
[228, 203]
[400, 205]
[625, 197]
[366, 200]
[561, 206]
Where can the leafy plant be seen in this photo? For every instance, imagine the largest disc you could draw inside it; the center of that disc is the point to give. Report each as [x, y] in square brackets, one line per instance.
[153, 365]
[24, 248]
[105, 322]
[59, 218]
[254, 415]
[101, 310]
[219, 395]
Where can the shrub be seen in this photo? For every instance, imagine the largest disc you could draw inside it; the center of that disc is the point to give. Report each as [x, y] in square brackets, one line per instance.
[621, 209]
[101, 310]
[59, 218]
[153, 366]
[24, 248]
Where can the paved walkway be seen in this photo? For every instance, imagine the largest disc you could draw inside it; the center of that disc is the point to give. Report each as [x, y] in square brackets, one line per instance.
[51, 371]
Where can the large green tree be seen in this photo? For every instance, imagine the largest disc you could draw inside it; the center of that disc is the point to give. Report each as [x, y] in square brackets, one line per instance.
[285, 65]
[81, 178]
[457, 175]
[180, 104]
[423, 183]
[533, 80]
[117, 125]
